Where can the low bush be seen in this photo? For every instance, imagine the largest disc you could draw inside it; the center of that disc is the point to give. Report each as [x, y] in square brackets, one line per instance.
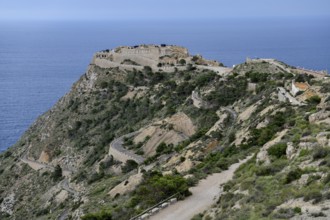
[129, 166]
[157, 187]
[272, 168]
[326, 180]
[314, 99]
[257, 77]
[293, 175]
[164, 148]
[297, 210]
[103, 215]
[277, 150]
[320, 152]
[7, 154]
[57, 174]
[95, 177]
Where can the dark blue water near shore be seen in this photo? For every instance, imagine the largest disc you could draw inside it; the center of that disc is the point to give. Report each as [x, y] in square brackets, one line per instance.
[39, 61]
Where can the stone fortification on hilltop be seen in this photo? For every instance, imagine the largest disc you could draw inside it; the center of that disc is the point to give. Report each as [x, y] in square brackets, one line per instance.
[156, 56]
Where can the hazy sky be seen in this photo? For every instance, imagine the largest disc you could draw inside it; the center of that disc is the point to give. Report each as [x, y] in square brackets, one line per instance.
[153, 9]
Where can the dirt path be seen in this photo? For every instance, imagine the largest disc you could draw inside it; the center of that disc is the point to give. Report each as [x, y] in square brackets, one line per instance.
[34, 164]
[64, 184]
[203, 196]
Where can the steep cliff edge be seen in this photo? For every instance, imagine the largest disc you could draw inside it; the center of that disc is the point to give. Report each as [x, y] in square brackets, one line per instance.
[130, 134]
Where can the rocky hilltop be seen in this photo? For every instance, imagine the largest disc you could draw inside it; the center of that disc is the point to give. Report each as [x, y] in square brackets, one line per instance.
[149, 125]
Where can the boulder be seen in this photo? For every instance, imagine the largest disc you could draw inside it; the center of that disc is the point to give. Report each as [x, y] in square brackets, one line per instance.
[290, 150]
[323, 139]
[7, 204]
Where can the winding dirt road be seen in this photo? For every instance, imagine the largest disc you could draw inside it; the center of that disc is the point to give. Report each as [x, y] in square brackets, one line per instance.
[64, 184]
[204, 195]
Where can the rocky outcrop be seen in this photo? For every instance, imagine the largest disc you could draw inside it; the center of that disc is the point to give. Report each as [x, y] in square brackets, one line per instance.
[8, 203]
[322, 116]
[44, 157]
[284, 96]
[323, 139]
[126, 185]
[171, 130]
[290, 150]
[198, 102]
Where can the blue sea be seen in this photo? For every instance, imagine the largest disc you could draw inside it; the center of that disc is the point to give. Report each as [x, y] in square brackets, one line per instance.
[39, 61]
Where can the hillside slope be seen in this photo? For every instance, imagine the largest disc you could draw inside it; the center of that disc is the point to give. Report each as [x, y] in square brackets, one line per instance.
[129, 135]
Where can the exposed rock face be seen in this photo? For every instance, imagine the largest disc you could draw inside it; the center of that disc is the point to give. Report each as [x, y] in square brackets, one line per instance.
[325, 103]
[290, 150]
[323, 139]
[308, 208]
[308, 145]
[247, 113]
[179, 128]
[127, 185]
[320, 117]
[8, 203]
[198, 102]
[61, 197]
[44, 157]
[263, 124]
[182, 123]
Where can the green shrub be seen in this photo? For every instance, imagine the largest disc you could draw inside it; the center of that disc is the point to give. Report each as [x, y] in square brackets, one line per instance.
[277, 150]
[129, 166]
[315, 99]
[266, 171]
[95, 177]
[257, 77]
[57, 174]
[304, 152]
[293, 175]
[182, 62]
[103, 85]
[7, 154]
[272, 168]
[320, 152]
[204, 79]
[147, 69]
[163, 148]
[43, 211]
[297, 210]
[312, 178]
[103, 215]
[326, 180]
[231, 137]
[157, 187]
